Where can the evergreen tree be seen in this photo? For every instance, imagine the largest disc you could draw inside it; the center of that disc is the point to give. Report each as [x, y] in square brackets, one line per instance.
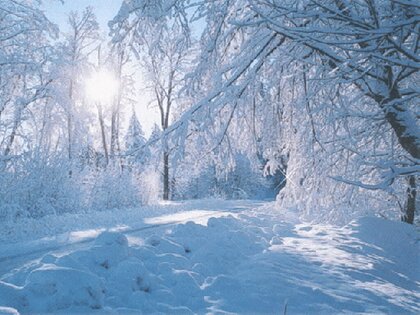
[156, 133]
[135, 141]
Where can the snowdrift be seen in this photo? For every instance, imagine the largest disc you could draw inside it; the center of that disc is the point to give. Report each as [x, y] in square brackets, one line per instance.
[254, 263]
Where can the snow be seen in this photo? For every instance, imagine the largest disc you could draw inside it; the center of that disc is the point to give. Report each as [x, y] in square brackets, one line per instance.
[29, 235]
[232, 257]
[8, 311]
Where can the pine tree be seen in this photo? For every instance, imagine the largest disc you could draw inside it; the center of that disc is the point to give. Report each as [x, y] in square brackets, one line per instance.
[156, 133]
[135, 141]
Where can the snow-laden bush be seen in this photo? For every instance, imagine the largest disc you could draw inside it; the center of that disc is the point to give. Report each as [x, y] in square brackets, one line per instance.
[114, 187]
[111, 188]
[149, 185]
[241, 181]
[37, 188]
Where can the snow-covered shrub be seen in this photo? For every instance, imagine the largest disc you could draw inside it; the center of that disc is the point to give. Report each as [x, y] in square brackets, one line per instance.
[37, 188]
[150, 186]
[242, 181]
[196, 184]
[111, 188]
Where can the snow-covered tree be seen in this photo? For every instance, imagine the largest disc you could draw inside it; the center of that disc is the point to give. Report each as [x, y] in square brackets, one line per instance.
[81, 40]
[23, 67]
[71, 69]
[155, 134]
[162, 49]
[137, 153]
[33, 178]
[347, 106]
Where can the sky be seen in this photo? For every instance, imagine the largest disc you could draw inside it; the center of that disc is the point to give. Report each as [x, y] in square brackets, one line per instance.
[105, 10]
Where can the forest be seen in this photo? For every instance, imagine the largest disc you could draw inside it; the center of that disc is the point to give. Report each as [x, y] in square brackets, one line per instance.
[209, 156]
[312, 102]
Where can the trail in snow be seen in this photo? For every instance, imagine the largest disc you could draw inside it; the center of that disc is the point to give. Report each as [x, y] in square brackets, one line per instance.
[54, 233]
[255, 261]
[82, 237]
[53, 226]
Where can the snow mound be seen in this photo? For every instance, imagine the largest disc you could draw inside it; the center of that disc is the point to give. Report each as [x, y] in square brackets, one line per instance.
[391, 237]
[50, 288]
[254, 263]
[8, 311]
[75, 280]
[111, 239]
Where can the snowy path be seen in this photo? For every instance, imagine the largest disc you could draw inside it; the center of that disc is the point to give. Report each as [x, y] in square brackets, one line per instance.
[10, 256]
[15, 253]
[236, 257]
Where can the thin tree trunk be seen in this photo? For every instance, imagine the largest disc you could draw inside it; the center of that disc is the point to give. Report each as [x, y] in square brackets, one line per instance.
[113, 134]
[102, 125]
[165, 176]
[70, 126]
[70, 121]
[11, 139]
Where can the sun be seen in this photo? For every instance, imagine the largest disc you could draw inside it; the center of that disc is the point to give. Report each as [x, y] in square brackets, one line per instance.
[101, 87]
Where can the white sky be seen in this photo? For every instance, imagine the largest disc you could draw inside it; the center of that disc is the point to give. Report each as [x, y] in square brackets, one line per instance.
[105, 10]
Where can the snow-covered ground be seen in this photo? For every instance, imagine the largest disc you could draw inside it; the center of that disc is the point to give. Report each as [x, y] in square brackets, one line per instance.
[208, 256]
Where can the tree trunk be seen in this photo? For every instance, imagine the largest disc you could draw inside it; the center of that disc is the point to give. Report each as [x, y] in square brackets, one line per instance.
[11, 139]
[165, 176]
[402, 122]
[411, 200]
[113, 134]
[70, 121]
[69, 148]
[102, 125]
[69, 124]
